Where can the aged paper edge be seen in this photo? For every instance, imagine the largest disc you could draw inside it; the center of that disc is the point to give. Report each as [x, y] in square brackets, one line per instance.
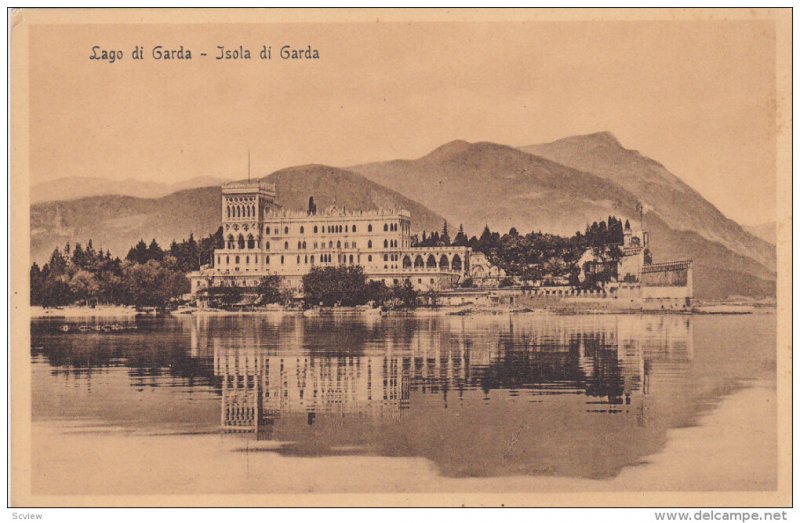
[19, 368]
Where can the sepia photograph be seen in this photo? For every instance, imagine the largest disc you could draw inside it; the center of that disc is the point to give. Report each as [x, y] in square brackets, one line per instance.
[401, 258]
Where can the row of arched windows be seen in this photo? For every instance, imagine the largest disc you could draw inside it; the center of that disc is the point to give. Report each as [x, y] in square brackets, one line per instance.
[431, 262]
[241, 211]
[329, 229]
[240, 242]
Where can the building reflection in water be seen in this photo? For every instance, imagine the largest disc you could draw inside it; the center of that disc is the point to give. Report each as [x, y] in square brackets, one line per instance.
[376, 369]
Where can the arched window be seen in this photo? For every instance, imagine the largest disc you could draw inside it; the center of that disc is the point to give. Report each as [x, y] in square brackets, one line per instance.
[247, 260]
[237, 260]
[299, 245]
[240, 242]
[286, 230]
[230, 241]
[406, 262]
[267, 259]
[369, 227]
[285, 246]
[338, 244]
[251, 243]
[304, 244]
[369, 244]
[267, 245]
[431, 262]
[302, 229]
[345, 228]
[351, 258]
[229, 210]
[444, 263]
[315, 229]
[298, 259]
[267, 229]
[354, 227]
[385, 257]
[312, 259]
[385, 227]
[385, 243]
[227, 260]
[456, 263]
[369, 258]
[418, 262]
[281, 259]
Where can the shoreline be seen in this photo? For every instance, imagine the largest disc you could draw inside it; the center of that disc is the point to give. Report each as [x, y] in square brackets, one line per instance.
[100, 311]
[110, 311]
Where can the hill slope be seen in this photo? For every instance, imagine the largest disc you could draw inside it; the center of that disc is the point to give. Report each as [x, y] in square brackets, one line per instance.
[73, 188]
[680, 206]
[485, 183]
[117, 222]
[766, 231]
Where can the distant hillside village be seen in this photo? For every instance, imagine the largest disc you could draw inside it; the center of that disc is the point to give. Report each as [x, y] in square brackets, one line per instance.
[264, 254]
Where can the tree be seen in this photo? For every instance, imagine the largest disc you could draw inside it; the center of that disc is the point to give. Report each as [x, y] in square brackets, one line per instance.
[224, 295]
[84, 286]
[445, 238]
[138, 253]
[154, 251]
[506, 282]
[331, 286]
[377, 292]
[461, 239]
[37, 284]
[56, 292]
[152, 285]
[405, 294]
[269, 289]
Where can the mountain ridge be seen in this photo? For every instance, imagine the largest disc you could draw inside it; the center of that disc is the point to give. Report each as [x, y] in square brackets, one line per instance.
[117, 222]
[474, 184]
[78, 187]
[680, 205]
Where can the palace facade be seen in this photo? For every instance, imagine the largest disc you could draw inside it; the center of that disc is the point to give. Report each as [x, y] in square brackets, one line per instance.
[262, 238]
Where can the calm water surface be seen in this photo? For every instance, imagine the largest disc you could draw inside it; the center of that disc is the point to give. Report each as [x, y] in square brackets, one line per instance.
[478, 396]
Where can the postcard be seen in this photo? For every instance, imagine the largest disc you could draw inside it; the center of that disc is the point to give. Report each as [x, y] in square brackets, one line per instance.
[386, 257]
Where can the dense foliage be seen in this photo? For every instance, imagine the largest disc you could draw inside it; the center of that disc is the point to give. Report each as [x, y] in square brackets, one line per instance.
[538, 256]
[149, 276]
[85, 276]
[348, 286]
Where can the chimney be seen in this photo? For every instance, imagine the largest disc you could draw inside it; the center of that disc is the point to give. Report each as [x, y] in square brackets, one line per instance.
[312, 207]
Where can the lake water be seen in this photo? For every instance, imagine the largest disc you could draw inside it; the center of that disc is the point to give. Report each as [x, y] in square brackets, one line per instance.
[252, 403]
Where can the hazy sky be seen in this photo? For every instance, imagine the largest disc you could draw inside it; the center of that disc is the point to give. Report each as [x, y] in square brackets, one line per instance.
[698, 97]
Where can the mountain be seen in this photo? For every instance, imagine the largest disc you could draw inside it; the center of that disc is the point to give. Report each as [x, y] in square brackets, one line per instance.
[486, 183]
[766, 231]
[680, 206]
[470, 183]
[118, 222]
[75, 187]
